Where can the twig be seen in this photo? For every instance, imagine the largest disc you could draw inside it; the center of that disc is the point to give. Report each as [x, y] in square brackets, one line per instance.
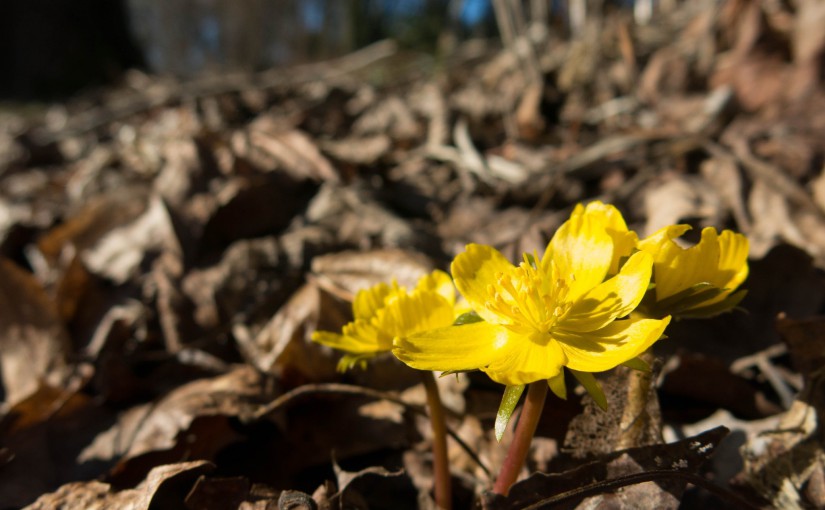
[602, 487]
[360, 391]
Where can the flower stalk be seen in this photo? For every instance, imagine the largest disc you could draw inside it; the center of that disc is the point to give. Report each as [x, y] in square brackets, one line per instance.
[442, 485]
[525, 430]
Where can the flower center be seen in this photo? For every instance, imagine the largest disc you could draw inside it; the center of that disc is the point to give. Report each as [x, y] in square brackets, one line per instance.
[532, 298]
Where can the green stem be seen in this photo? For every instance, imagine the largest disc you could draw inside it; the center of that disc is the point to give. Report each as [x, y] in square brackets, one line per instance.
[441, 466]
[526, 428]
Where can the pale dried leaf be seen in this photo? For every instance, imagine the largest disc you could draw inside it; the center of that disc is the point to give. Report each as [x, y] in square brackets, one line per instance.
[119, 253]
[351, 271]
[157, 426]
[295, 152]
[771, 220]
[723, 175]
[34, 345]
[360, 151]
[284, 344]
[678, 199]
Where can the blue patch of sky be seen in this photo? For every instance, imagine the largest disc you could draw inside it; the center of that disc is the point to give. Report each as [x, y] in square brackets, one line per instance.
[474, 12]
[402, 8]
[312, 14]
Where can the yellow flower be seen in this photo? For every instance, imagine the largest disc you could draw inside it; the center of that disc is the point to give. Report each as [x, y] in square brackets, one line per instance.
[384, 311]
[624, 240]
[698, 281]
[564, 310]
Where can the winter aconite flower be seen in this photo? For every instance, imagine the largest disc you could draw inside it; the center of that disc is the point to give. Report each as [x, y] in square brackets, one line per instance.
[386, 311]
[699, 281]
[568, 309]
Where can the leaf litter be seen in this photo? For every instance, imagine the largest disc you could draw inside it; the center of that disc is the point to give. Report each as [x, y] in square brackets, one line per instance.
[167, 254]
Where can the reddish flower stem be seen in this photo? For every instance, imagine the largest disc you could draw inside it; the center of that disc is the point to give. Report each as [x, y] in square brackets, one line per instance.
[526, 428]
[441, 467]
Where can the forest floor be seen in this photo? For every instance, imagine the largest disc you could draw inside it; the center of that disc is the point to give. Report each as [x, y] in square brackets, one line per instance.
[168, 249]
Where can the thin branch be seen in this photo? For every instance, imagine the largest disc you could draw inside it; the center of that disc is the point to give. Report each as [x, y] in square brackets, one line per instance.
[360, 391]
[579, 493]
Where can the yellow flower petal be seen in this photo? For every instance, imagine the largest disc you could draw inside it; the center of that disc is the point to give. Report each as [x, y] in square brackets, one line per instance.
[581, 248]
[474, 270]
[368, 301]
[458, 348]
[365, 341]
[611, 300]
[527, 360]
[438, 282]
[610, 346]
[718, 259]
[624, 240]
[733, 258]
[407, 314]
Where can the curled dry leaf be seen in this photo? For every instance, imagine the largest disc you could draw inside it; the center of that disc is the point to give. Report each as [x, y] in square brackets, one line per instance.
[164, 487]
[344, 478]
[91, 223]
[284, 345]
[191, 420]
[119, 253]
[284, 148]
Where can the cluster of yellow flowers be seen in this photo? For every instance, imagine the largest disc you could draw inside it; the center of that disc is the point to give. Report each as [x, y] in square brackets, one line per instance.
[597, 298]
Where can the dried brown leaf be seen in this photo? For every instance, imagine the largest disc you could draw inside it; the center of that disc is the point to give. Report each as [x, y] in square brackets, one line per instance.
[119, 252]
[541, 490]
[778, 465]
[164, 487]
[43, 435]
[357, 219]
[252, 206]
[350, 271]
[772, 221]
[723, 175]
[34, 345]
[92, 222]
[249, 272]
[678, 199]
[359, 151]
[298, 154]
[217, 493]
[170, 422]
[284, 344]
[392, 116]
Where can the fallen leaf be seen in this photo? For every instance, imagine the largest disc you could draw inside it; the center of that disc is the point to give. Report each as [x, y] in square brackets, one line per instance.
[43, 435]
[191, 421]
[686, 456]
[34, 345]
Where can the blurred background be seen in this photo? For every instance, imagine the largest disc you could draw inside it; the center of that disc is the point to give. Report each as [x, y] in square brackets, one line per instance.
[50, 49]
[53, 48]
